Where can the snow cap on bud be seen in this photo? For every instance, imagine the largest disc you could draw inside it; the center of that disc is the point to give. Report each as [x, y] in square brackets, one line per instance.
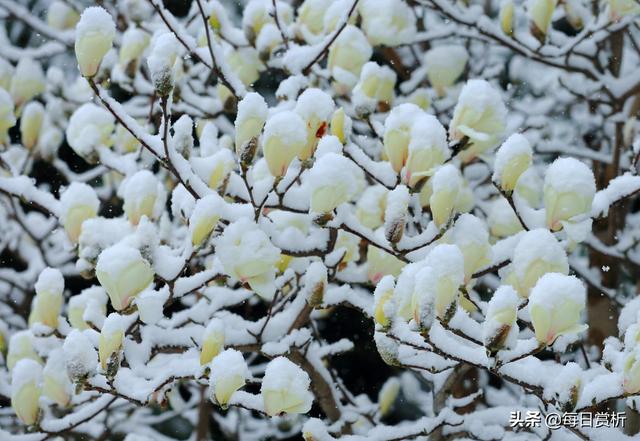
[446, 184]
[134, 42]
[315, 283]
[397, 130]
[334, 180]
[569, 188]
[123, 273]
[229, 372]
[20, 347]
[499, 329]
[540, 14]
[143, 195]
[447, 262]
[94, 36]
[26, 390]
[427, 149]
[248, 255]
[444, 65]
[285, 136]
[250, 119]
[537, 253]
[56, 385]
[90, 126]
[315, 107]
[371, 206]
[48, 300]
[479, 116]
[7, 117]
[506, 16]
[396, 212]
[310, 20]
[348, 53]
[161, 62]
[111, 339]
[375, 88]
[512, 159]
[388, 22]
[555, 305]
[204, 218]
[631, 372]
[212, 341]
[285, 388]
[61, 16]
[423, 297]
[383, 305]
[388, 394]
[31, 123]
[91, 302]
[341, 125]
[80, 356]
[502, 221]
[470, 234]
[27, 81]
[79, 202]
[567, 386]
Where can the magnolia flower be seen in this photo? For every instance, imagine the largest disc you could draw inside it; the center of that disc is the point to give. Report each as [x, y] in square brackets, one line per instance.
[502, 220]
[631, 372]
[94, 36]
[26, 390]
[285, 388]
[61, 16]
[397, 134]
[622, 8]
[569, 188]
[285, 136]
[250, 119]
[506, 16]
[78, 203]
[371, 206]
[111, 340]
[90, 126]
[315, 107]
[91, 302]
[162, 61]
[310, 19]
[31, 123]
[150, 305]
[341, 125]
[348, 53]
[420, 97]
[80, 356]
[555, 305]
[349, 245]
[387, 22]
[388, 394]
[540, 14]
[245, 63]
[567, 386]
[512, 159]
[499, 329]
[143, 195]
[444, 65]
[214, 169]
[48, 300]
[123, 273]
[427, 149]
[383, 309]
[204, 217]
[7, 117]
[212, 341]
[374, 88]
[55, 384]
[423, 298]
[470, 235]
[249, 256]
[529, 188]
[387, 348]
[21, 347]
[479, 117]
[446, 263]
[315, 283]
[257, 13]
[333, 180]
[537, 253]
[445, 184]
[27, 81]
[229, 372]
[134, 42]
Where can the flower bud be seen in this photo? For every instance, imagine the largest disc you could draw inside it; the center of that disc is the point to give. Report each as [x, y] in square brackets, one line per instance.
[423, 298]
[383, 309]
[555, 305]
[110, 343]
[268, 40]
[212, 341]
[21, 347]
[387, 348]
[245, 63]
[162, 62]
[28, 81]
[229, 372]
[48, 300]
[285, 388]
[204, 218]
[334, 180]
[257, 13]
[94, 36]
[80, 356]
[250, 119]
[315, 107]
[348, 53]
[380, 263]
[134, 42]
[529, 188]
[569, 188]
[31, 123]
[397, 130]
[89, 127]
[502, 221]
[248, 255]
[375, 88]
[7, 117]
[396, 213]
[371, 206]
[6, 73]
[622, 8]
[420, 97]
[310, 19]
[506, 16]
[349, 245]
[445, 184]
[631, 372]
[512, 159]
[123, 273]
[447, 262]
[78, 203]
[540, 14]
[284, 138]
[499, 329]
[444, 66]
[143, 195]
[388, 395]
[214, 169]
[341, 125]
[56, 385]
[61, 16]
[91, 302]
[470, 235]
[427, 150]
[315, 283]
[26, 390]
[150, 305]
[388, 22]
[567, 387]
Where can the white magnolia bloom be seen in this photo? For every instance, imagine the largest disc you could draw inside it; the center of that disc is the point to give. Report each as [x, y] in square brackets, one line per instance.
[506, 16]
[21, 347]
[445, 184]
[388, 22]
[285, 388]
[567, 386]
[162, 62]
[341, 125]
[89, 127]
[333, 180]
[569, 188]
[499, 330]
[134, 42]
[31, 123]
[374, 88]
[90, 303]
[470, 234]
[55, 384]
[214, 169]
[315, 107]
[622, 8]
[250, 119]
[631, 372]
[388, 394]
[80, 356]
[540, 14]
[212, 341]
[384, 307]
[144, 195]
[27, 81]
[397, 133]
[380, 263]
[94, 36]
[447, 262]
[7, 117]
[284, 138]
[348, 53]
[371, 206]
[111, 339]
[249, 256]
[61, 16]
[444, 65]
[229, 372]
[204, 218]
[257, 13]
[427, 149]
[47, 303]
[502, 220]
[555, 305]
[123, 273]
[479, 116]
[26, 390]
[512, 159]
[310, 19]
[78, 202]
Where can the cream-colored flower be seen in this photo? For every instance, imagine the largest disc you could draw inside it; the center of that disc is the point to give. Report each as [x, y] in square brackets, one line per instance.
[47, 303]
[348, 53]
[204, 217]
[631, 372]
[315, 107]
[92, 303]
[26, 390]
[284, 138]
[229, 372]
[310, 19]
[622, 8]
[470, 235]
[387, 22]
[383, 305]
[89, 127]
[445, 187]
[257, 13]
[31, 123]
[111, 340]
[27, 81]
[375, 87]
[20, 347]
[212, 341]
[285, 388]
[341, 125]
[143, 195]
[388, 395]
[506, 16]
[79, 202]
[512, 159]
[502, 220]
[397, 134]
[61, 16]
[540, 14]
[427, 149]
[447, 262]
[333, 180]
[94, 36]
[499, 329]
[134, 42]
[444, 66]
[250, 119]
[371, 206]
[55, 383]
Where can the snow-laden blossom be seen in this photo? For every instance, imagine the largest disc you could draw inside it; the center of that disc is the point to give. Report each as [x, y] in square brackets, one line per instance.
[31, 123]
[502, 221]
[212, 341]
[470, 234]
[89, 127]
[285, 388]
[250, 119]
[134, 42]
[621, 8]
[47, 303]
[284, 138]
[348, 53]
[61, 16]
[27, 81]
[383, 311]
[397, 133]
[79, 202]
[55, 382]
[375, 88]
[315, 107]
[427, 149]
[91, 302]
[94, 36]
[506, 16]
[205, 216]
[388, 395]
[333, 180]
[111, 339]
[444, 66]
[567, 386]
[310, 19]
[512, 159]
[631, 372]
[21, 347]
[162, 62]
[540, 14]
[143, 195]
[446, 184]
[371, 206]
[499, 329]
[257, 13]
[341, 125]
[26, 390]
[387, 22]
[80, 356]
[229, 372]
